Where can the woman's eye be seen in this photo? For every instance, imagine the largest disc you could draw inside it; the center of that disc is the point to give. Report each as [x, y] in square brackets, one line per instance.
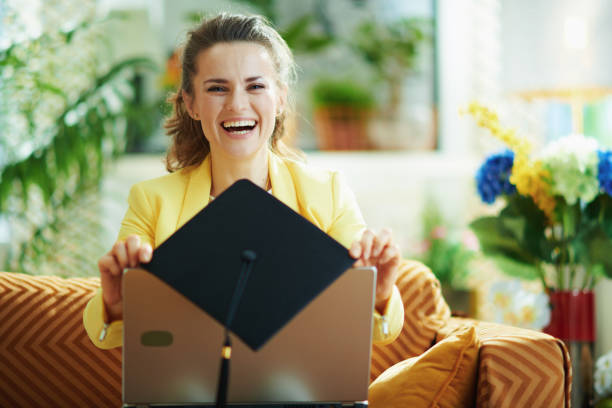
[215, 89]
[257, 86]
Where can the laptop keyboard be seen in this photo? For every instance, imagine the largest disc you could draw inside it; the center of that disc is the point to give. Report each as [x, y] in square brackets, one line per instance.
[339, 405]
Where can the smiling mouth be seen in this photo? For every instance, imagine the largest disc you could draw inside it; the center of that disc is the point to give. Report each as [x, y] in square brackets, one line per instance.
[239, 127]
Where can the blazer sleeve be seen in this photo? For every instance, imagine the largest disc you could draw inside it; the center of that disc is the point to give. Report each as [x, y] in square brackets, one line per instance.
[347, 226]
[139, 220]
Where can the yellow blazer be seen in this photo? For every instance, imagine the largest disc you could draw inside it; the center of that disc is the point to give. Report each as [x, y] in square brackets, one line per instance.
[158, 207]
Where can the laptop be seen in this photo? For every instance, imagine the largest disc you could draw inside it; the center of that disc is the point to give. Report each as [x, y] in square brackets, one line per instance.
[171, 351]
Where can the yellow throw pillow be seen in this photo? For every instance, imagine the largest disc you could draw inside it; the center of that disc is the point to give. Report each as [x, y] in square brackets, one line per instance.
[443, 376]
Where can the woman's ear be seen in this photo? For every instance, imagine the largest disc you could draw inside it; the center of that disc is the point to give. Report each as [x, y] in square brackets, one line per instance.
[282, 99]
[189, 104]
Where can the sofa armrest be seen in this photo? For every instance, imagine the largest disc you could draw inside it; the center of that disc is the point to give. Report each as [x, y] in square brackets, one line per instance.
[46, 358]
[518, 367]
[425, 312]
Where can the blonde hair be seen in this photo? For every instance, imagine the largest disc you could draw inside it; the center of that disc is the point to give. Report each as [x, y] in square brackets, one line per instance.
[189, 145]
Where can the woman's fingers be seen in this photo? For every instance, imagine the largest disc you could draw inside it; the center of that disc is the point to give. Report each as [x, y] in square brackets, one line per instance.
[390, 252]
[133, 248]
[120, 252]
[108, 264]
[381, 241]
[355, 251]
[145, 253]
[366, 244]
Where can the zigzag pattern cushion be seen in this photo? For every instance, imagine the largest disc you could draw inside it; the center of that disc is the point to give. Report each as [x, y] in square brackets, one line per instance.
[46, 358]
[425, 312]
[518, 367]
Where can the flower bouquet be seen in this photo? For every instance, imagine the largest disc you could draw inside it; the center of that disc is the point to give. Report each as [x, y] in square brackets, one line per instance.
[556, 225]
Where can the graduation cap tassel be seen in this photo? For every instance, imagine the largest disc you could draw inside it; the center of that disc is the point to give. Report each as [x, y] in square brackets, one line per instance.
[248, 257]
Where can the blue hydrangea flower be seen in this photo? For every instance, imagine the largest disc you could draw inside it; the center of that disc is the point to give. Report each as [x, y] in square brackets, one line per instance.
[493, 177]
[604, 171]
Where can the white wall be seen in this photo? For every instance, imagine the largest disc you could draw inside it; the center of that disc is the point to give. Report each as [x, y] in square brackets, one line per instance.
[542, 44]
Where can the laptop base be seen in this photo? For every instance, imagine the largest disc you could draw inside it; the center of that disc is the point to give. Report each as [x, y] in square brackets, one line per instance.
[362, 404]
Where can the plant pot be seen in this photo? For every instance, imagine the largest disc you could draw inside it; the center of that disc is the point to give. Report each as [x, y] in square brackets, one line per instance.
[572, 320]
[342, 128]
[413, 130]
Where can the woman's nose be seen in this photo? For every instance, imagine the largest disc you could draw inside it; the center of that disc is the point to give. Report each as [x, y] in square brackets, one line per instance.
[237, 100]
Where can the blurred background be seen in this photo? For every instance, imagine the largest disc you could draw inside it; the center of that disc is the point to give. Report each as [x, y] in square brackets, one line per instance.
[381, 85]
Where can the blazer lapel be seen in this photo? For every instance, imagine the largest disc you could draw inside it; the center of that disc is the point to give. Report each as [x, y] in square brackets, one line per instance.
[282, 182]
[197, 194]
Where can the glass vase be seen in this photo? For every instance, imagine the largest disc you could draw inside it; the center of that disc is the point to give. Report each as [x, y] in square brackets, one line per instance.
[572, 320]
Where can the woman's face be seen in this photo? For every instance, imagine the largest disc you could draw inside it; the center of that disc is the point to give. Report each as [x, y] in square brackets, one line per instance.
[236, 98]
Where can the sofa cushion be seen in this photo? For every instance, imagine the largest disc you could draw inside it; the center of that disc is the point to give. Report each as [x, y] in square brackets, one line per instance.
[443, 376]
[46, 358]
[518, 367]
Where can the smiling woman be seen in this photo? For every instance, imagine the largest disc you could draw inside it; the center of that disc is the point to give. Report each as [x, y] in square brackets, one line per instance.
[227, 124]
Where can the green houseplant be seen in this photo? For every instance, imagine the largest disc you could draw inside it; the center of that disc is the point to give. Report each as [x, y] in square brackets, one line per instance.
[392, 50]
[342, 110]
[62, 125]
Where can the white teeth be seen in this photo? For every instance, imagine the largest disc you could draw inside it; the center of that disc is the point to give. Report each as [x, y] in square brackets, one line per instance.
[238, 123]
[240, 132]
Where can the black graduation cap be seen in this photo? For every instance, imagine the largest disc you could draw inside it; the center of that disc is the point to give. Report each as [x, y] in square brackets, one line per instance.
[294, 261]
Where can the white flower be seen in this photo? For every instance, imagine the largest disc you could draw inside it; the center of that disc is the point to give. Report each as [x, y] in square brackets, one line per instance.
[604, 362]
[603, 383]
[603, 375]
[518, 307]
[532, 310]
[502, 292]
[572, 163]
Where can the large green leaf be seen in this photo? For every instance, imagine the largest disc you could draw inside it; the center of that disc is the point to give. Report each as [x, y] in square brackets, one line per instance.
[496, 239]
[515, 268]
[594, 247]
[600, 211]
[300, 38]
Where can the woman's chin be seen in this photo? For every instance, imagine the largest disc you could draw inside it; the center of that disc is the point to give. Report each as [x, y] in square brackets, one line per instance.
[243, 149]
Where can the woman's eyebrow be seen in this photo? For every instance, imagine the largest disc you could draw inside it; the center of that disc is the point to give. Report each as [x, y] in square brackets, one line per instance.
[225, 81]
[217, 80]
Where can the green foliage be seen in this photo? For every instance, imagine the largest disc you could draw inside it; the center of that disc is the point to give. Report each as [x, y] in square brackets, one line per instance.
[341, 92]
[302, 38]
[521, 240]
[302, 35]
[76, 108]
[70, 165]
[392, 49]
[75, 148]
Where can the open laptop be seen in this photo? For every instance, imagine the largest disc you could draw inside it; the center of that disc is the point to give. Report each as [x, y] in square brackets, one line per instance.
[171, 351]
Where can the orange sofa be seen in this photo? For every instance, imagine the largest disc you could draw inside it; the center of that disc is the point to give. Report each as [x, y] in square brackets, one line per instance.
[47, 360]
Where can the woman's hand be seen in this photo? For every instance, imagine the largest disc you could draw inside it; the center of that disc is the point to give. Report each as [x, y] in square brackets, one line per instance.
[124, 254]
[383, 253]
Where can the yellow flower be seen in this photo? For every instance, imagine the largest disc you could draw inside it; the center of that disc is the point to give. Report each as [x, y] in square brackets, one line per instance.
[529, 177]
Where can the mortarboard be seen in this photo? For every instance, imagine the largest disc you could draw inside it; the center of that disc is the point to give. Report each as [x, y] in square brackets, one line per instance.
[295, 261]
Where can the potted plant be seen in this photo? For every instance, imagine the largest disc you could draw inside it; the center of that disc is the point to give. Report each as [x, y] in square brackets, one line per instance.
[393, 51]
[342, 110]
